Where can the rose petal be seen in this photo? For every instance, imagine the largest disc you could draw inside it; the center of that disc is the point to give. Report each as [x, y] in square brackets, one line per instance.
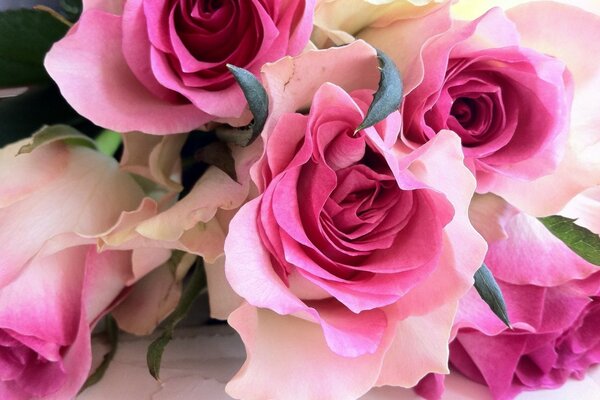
[280, 346]
[223, 300]
[529, 249]
[119, 102]
[585, 208]
[419, 347]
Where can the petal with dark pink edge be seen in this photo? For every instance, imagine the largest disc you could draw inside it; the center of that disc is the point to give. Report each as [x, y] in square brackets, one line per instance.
[51, 310]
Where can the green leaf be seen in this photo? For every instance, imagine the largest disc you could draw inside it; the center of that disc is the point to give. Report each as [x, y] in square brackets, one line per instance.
[490, 292]
[582, 241]
[112, 337]
[257, 99]
[193, 288]
[388, 97]
[25, 38]
[108, 142]
[54, 133]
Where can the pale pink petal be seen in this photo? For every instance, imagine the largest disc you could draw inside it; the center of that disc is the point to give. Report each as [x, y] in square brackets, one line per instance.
[123, 231]
[438, 163]
[82, 64]
[532, 255]
[191, 221]
[404, 39]
[293, 90]
[48, 165]
[585, 208]
[149, 302]
[489, 214]
[278, 347]
[154, 157]
[419, 347]
[222, 299]
[86, 211]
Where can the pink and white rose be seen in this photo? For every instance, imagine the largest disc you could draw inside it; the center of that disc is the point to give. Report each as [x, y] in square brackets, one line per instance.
[348, 244]
[54, 284]
[161, 64]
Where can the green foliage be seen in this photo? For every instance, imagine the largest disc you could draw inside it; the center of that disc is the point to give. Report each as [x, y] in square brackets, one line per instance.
[583, 242]
[191, 291]
[108, 142]
[25, 38]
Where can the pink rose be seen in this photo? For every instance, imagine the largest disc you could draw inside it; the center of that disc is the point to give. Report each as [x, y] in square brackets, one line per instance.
[161, 65]
[349, 252]
[553, 302]
[505, 84]
[509, 104]
[554, 337]
[54, 285]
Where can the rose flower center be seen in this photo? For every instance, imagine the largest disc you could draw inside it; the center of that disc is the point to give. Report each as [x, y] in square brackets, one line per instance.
[210, 6]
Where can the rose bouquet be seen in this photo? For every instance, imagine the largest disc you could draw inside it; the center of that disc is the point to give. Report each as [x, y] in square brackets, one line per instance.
[372, 192]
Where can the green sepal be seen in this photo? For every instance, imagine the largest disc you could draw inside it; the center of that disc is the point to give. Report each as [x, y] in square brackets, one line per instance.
[258, 102]
[490, 292]
[388, 96]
